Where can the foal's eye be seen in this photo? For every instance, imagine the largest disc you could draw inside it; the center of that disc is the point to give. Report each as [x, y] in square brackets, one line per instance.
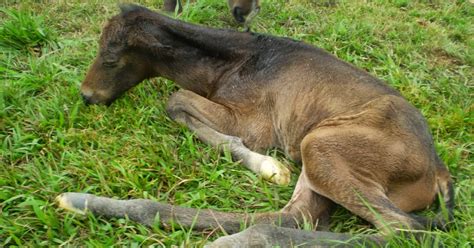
[109, 63]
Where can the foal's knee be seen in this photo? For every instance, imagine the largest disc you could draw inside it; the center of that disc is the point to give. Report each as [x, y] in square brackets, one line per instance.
[176, 103]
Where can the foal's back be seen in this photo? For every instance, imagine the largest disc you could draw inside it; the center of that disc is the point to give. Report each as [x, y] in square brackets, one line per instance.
[283, 88]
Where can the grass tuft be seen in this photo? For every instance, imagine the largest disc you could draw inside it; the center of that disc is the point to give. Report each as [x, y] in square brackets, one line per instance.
[24, 31]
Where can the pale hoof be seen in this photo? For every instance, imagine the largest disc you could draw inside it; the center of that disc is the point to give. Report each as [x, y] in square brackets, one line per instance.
[74, 202]
[274, 171]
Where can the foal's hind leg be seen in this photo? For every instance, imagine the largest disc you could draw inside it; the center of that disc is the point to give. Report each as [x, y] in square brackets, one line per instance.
[312, 207]
[264, 235]
[350, 166]
[209, 119]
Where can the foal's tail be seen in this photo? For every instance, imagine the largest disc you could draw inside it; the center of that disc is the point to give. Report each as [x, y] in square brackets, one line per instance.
[446, 191]
[150, 213]
[445, 213]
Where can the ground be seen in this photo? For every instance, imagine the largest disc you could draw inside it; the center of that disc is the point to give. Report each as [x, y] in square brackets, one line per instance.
[52, 143]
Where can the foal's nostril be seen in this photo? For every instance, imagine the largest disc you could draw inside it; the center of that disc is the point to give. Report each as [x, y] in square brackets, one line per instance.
[86, 99]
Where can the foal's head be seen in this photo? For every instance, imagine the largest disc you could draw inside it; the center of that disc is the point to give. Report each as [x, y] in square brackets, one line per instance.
[124, 58]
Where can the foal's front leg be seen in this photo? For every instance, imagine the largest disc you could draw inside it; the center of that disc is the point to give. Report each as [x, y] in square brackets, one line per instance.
[207, 119]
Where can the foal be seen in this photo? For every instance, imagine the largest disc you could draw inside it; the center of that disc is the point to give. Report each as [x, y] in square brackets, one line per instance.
[360, 143]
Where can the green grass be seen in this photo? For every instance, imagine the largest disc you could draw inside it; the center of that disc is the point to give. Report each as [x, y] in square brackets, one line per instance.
[52, 143]
[23, 31]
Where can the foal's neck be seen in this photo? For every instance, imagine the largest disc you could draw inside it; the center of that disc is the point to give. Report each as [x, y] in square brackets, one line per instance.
[198, 57]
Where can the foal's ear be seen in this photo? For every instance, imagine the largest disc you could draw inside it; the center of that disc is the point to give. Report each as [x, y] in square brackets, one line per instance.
[145, 40]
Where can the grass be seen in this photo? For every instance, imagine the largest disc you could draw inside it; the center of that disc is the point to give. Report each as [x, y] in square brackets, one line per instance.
[23, 31]
[52, 143]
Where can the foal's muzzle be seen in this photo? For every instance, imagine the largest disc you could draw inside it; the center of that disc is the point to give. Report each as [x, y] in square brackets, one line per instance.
[86, 99]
